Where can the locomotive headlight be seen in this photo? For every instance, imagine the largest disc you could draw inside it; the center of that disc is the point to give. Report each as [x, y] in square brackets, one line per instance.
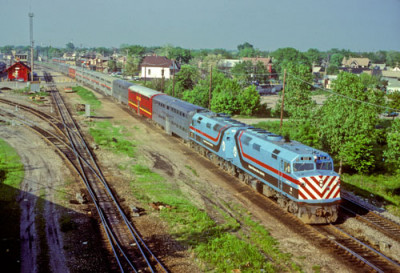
[303, 184]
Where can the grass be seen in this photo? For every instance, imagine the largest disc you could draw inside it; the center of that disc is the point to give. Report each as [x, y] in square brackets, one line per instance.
[382, 189]
[113, 138]
[88, 97]
[11, 175]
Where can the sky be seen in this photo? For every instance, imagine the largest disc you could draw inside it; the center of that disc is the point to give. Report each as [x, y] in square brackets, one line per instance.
[356, 25]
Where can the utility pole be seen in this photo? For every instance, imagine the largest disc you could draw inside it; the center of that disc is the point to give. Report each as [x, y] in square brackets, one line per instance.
[31, 38]
[173, 78]
[283, 98]
[209, 92]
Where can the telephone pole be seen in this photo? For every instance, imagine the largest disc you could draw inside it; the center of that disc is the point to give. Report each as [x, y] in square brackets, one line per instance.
[31, 37]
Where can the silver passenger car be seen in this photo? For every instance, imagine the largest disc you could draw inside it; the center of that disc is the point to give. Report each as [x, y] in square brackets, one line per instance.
[174, 115]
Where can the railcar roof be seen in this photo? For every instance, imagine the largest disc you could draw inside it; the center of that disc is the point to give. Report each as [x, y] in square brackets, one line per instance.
[145, 91]
[224, 119]
[178, 104]
[123, 83]
[292, 147]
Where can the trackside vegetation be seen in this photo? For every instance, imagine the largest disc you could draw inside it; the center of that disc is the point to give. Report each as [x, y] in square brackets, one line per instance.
[11, 175]
[220, 246]
[87, 96]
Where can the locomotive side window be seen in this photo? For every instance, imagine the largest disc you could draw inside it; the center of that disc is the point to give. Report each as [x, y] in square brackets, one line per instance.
[208, 125]
[286, 167]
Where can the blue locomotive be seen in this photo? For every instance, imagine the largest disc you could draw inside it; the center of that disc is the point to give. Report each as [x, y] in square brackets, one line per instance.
[300, 178]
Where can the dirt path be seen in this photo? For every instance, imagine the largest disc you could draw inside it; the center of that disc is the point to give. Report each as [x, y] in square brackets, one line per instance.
[42, 176]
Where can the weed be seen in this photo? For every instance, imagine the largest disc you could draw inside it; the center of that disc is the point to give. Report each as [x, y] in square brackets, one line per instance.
[112, 138]
[88, 97]
[316, 268]
[191, 169]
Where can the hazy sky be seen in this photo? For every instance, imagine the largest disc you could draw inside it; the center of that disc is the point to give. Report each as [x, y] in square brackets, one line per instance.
[358, 25]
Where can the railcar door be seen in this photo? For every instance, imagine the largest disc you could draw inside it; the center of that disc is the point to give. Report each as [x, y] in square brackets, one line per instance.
[281, 171]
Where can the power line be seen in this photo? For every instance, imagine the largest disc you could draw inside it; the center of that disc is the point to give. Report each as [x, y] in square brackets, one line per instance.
[347, 97]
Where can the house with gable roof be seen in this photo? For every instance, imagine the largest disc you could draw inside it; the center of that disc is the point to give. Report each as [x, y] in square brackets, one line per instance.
[157, 67]
[356, 62]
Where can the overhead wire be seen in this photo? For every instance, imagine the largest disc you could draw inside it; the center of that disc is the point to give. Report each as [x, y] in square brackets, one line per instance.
[344, 96]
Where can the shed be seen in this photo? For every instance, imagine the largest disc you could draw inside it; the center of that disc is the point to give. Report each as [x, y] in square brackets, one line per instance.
[18, 71]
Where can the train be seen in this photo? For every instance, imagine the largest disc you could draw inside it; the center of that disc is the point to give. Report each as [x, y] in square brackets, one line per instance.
[300, 178]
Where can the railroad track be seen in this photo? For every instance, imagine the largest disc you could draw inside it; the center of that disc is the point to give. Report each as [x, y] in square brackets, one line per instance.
[353, 250]
[130, 250]
[374, 220]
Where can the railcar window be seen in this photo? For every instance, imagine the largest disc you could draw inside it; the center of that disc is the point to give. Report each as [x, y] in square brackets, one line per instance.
[324, 166]
[217, 127]
[256, 147]
[286, 167]
[276, 151]
[247, 140]
[301, 167]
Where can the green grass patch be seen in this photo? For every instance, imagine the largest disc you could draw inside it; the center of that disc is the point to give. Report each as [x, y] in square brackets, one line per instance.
[111, 137]
[88, 97]
[11, 175]
[217, 244]
[383, 189]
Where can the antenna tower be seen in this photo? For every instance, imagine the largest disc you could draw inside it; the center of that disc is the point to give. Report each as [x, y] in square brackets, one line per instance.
[31, 40]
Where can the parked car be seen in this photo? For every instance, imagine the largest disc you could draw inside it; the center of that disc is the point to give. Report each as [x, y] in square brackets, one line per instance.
[390, 114]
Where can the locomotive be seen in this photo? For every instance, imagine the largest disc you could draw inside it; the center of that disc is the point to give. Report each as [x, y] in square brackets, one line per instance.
[300, 178]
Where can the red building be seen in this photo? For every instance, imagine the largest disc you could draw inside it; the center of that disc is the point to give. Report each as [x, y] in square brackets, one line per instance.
[18, 71]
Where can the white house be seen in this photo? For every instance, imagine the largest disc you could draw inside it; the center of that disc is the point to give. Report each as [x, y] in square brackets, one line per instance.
[157, 67]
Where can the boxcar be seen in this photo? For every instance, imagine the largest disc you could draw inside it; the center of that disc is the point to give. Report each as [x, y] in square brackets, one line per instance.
[140, 99]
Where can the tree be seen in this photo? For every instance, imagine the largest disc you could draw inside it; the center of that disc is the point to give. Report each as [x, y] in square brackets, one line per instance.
[336, 59]
[298, 100]
[393, 58]
[392, 153]
[112, 65]
[133, 50]
[314, 56]
[347, 126]
[284, 56]
[7, 49]
[185, 79]
[132, 65]
[242, 72]
[246, 50]
[332, 70]
[394, 100]
[249, 101]
[70, 47]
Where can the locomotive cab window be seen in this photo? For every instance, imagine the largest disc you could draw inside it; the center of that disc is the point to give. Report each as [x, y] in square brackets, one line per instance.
[303, 166]
[324, 166]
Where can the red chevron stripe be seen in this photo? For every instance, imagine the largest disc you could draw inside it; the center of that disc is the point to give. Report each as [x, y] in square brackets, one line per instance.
[215, 139]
